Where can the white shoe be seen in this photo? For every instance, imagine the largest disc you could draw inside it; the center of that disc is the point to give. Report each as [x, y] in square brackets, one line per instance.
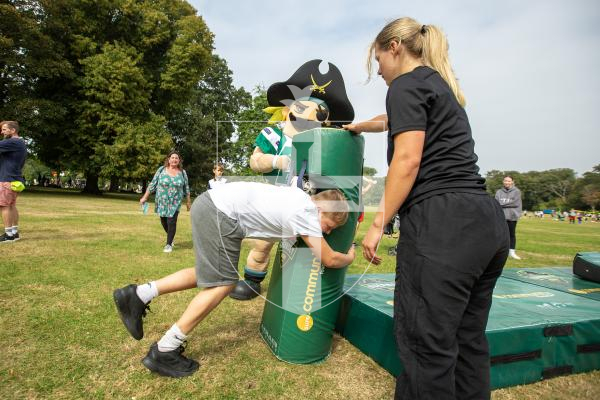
[513, 254]
[168, 248]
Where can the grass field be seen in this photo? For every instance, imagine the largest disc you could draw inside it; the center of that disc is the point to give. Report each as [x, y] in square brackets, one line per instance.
[62, 339]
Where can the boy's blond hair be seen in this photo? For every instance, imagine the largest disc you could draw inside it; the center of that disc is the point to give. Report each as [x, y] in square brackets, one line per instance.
[333, 205]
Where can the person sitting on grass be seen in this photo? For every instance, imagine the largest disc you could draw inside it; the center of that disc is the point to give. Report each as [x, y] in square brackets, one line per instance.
[221, 218]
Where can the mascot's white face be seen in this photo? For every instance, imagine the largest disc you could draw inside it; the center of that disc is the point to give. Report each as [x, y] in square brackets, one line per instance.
[303, 115]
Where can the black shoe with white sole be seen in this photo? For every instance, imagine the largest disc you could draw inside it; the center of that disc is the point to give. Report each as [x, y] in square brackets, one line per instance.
[7, 238]
[170, 363]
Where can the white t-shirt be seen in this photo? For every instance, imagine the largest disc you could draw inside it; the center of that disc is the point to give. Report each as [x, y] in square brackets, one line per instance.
[267, 211]
[213, 183]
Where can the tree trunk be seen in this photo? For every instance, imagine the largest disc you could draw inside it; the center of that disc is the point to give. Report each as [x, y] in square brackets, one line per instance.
[114, 184]
[91, 184]
[144, 186]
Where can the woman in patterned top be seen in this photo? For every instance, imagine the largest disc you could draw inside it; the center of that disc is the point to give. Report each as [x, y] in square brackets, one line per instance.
[170, 183]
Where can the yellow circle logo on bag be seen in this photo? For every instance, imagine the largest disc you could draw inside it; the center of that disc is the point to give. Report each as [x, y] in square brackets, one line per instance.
[304, 322]
[17, 186]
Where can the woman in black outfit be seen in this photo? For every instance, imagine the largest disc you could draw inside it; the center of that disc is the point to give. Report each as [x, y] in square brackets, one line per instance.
[453, 239]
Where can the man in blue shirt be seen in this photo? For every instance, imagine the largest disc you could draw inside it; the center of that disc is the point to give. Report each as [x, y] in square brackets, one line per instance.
[12, 158]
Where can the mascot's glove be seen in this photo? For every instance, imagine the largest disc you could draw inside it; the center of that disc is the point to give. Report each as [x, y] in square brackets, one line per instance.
[282, 163]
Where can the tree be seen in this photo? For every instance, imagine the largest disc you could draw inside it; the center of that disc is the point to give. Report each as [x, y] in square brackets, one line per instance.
[204, 131]
[559, 183]
[586, 191]
[136, 150]
[590, 195]
[33, 169]
[28, 57]
[250, 122]
[101, 67]
[116, 96]
[369, 171]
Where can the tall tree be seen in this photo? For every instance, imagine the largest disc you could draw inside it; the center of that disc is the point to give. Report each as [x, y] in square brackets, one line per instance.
[203, 130]
[586, 191]
[251, 120]
[111, 64]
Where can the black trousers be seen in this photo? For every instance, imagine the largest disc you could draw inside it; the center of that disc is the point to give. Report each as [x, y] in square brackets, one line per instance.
[512, 227]
[451, 251]
[169, 224]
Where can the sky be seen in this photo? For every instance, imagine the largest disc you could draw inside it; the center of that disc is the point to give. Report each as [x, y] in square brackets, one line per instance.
[530, 70]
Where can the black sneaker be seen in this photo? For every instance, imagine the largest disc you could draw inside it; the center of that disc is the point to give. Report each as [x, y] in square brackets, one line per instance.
[245, 290]
[170, 363]
[6, 238]
[131, 310]
[16, 237]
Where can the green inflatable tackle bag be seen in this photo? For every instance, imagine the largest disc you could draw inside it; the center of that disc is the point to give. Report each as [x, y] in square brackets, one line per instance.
[303, 299]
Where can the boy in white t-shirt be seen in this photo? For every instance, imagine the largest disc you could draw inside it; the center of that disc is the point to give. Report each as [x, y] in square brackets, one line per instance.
[221, 218]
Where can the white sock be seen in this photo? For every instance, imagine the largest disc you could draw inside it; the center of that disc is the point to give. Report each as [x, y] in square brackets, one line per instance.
[8, 231]
[147, 292]
[14, 229]
[172, 339]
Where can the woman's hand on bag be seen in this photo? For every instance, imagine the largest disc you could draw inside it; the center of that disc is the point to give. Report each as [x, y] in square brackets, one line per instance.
[352, 128]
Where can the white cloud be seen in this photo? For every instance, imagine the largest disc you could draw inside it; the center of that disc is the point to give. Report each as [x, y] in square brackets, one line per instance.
[529, 69]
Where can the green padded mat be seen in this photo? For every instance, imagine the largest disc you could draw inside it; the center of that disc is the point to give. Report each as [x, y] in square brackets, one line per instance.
[558, 278]
[534, 332]
[591, 257]
[587, 266]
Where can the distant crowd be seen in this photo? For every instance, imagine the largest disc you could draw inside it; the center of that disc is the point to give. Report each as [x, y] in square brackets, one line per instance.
[572, 216]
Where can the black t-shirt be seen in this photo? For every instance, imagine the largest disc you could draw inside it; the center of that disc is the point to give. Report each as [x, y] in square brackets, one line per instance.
[421, 100]
[12, 158]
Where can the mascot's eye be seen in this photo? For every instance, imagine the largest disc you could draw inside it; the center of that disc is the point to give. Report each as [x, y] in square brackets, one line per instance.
[299, 108]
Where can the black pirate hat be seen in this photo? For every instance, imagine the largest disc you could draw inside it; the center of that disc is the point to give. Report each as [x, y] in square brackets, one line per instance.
[308, 81]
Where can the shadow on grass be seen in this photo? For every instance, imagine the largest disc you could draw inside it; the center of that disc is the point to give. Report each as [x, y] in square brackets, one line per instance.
[50, 191]
[66, 236]
[185, 245]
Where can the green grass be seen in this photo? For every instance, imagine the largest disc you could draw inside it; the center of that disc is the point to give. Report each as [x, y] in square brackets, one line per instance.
[62, 339]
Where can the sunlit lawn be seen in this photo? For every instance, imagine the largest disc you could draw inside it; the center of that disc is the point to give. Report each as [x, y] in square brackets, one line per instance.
[61, 337]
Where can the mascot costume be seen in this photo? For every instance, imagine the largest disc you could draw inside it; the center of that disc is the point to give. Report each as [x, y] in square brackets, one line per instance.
[308, 99]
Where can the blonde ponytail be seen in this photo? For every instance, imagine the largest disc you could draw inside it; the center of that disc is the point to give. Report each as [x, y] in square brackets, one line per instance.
[435, 55]
[426, 42]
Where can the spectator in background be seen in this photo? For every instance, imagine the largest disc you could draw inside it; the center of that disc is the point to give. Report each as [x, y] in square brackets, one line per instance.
[171, 184]
[572, 215]
[509, 198]
[12, 159]
[218, 179]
